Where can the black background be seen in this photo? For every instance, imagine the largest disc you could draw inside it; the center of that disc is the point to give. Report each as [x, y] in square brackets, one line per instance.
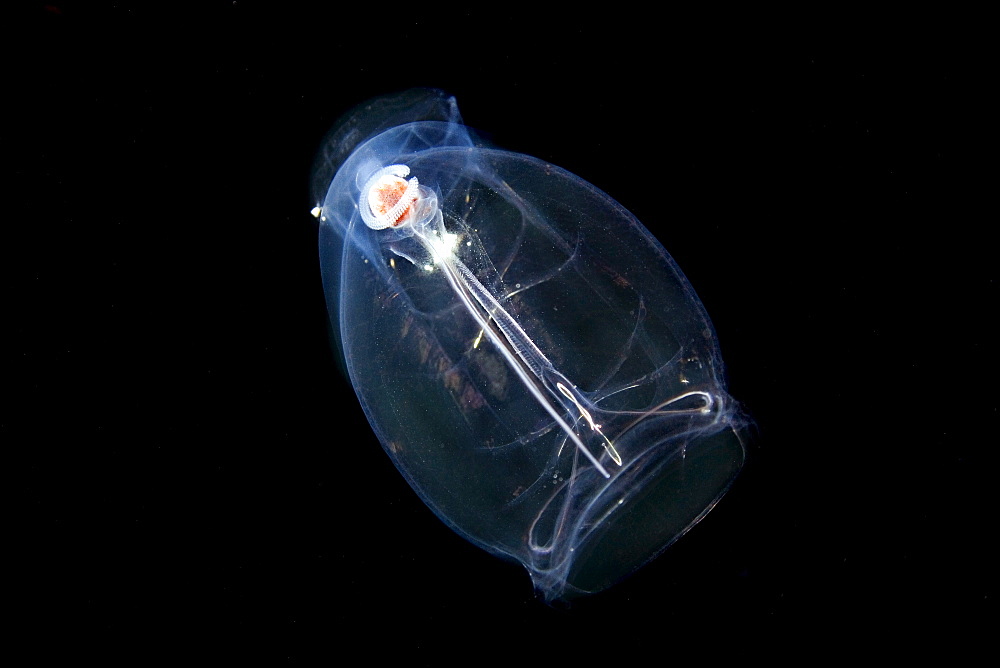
[191, 474]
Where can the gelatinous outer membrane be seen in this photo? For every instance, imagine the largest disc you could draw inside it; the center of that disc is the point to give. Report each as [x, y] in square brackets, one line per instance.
[531, 358]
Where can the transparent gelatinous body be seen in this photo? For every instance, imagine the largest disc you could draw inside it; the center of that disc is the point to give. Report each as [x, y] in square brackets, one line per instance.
[529, 355]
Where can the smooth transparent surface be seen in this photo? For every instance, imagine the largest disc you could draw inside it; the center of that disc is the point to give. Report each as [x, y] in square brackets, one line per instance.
[529, 355]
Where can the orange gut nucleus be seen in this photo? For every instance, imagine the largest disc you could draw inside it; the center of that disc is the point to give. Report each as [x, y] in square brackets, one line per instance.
[385, 195]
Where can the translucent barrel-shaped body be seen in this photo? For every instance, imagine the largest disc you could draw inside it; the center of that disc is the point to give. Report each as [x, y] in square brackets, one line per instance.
[531, 358]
